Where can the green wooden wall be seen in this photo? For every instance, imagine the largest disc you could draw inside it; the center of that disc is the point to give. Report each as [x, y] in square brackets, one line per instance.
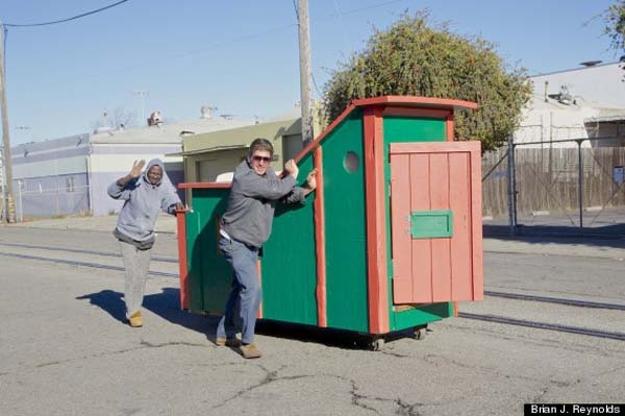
[345, 228]
[208, 273]
[407, 130]
[289, 273]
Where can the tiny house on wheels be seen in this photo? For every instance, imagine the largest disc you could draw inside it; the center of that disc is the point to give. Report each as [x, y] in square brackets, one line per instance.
[390, 240]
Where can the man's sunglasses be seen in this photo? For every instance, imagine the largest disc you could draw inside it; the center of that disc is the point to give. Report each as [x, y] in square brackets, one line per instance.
[261, 159]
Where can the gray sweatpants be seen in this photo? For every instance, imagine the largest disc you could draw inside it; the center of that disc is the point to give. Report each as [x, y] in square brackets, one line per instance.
[137, 263]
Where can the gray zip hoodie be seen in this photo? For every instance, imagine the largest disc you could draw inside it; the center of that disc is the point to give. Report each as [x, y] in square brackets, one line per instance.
[143, 202]
[252, 202]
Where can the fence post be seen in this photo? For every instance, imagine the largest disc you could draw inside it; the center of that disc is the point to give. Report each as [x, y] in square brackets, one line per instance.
[511, 209]
[20, 211]
[514, 190]
[580, 183]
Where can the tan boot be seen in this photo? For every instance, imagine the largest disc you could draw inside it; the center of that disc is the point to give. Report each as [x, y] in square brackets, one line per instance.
[227, 342]
[249, 351]
[136, 320]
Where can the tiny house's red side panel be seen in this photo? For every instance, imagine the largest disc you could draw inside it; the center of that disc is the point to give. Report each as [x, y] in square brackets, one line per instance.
[438, 177]
[439, 199]
[182, 259]
[376, 221]
[421, 250]
[400, 241]
[449, 126]
[320, 241]
[476, 230]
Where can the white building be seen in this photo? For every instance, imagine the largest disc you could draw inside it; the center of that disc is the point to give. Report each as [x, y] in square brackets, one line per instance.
[586, 102]
[70, 175]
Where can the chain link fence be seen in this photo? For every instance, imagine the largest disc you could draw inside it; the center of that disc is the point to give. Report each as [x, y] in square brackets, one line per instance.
[53, 200]
[580, 183]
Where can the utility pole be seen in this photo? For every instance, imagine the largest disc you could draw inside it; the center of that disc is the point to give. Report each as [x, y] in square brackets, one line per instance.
[305, 72]
[6, 138]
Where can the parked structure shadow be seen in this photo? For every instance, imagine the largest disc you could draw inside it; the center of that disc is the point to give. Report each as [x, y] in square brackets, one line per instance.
[167, 305]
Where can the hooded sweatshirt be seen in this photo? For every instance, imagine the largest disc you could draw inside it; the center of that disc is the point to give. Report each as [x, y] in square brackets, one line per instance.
[143, 202]
[252, 202]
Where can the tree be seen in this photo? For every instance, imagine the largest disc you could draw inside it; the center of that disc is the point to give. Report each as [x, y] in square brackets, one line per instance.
[119, 118]
[412, 58]
[615, 25]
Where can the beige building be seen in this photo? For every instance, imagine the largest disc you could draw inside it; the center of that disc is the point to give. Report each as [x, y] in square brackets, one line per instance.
[211, 157]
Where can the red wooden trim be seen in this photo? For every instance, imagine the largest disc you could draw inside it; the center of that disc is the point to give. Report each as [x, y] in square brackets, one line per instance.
[182, 259]
[414, 101]
[204, 185]
[436, 147]
[314, 144]
[259, 273]
[320, 241]
[476, 222]
[416, 112]
[375, 221]
[449, 127]
[433, 104]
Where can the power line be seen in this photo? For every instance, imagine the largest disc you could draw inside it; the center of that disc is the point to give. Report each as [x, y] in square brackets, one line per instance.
[78, 16]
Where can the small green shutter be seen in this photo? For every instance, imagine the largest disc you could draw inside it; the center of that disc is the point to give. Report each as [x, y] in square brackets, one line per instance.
[432, 224]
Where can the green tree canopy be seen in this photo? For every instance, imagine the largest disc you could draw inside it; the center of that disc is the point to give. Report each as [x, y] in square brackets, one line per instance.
[412, 58]
[615, 24]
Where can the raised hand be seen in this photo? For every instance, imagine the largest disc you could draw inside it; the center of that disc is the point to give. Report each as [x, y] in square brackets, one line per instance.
[311, 179]
[137, 168]
[291, 168]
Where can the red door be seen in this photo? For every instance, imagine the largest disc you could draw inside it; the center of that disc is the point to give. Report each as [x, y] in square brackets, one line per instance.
[436, 218]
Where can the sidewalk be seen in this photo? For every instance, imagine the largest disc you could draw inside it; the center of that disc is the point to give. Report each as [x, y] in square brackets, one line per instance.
[164, 224]
[546, 245]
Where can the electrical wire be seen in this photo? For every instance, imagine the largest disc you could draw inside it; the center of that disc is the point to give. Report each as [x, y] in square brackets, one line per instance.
[78, 16]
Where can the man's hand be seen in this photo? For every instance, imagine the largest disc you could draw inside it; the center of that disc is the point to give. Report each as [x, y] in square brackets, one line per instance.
[180, 207]
[137, 168]
[291, 168]
[311, 179]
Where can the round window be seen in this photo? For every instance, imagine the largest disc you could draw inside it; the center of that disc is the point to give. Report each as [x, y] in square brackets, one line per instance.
[351, 161]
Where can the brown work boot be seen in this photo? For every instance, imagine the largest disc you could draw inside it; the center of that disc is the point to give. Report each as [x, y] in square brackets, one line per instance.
[249, 351]
[227, 342]
[136, 320]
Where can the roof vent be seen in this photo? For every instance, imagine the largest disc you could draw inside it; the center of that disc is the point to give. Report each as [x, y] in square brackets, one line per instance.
[206, 112]
[588, 64]
[564, 96]
[155, 119]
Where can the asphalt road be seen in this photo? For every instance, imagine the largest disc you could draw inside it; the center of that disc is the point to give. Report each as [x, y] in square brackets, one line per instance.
[64, 349]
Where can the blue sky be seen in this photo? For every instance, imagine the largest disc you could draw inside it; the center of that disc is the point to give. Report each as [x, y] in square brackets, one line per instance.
[241, 56]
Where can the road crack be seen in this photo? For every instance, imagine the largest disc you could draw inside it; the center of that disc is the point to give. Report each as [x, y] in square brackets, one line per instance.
[143, 345]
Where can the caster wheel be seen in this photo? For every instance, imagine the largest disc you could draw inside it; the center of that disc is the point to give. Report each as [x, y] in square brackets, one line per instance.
[376, 344]
[419, 334]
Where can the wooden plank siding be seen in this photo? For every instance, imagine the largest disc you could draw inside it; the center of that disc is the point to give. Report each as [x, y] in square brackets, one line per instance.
[438, 177]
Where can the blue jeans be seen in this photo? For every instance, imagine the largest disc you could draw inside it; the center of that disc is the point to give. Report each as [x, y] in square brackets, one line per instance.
[246, 293]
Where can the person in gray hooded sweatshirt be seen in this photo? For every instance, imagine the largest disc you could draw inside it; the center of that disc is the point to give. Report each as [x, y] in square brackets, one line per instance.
[145, 196]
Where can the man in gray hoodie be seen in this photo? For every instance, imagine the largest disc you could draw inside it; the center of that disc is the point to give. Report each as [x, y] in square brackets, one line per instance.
[145, 196]
[244, 228]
